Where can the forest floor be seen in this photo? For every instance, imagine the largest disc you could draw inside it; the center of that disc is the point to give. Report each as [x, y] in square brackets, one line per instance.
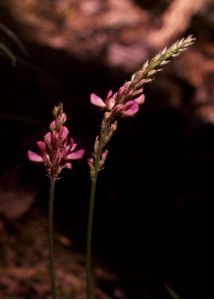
[24, 262]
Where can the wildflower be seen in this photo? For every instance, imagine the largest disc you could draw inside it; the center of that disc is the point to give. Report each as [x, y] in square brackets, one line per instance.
[56, 152]
[125, 103]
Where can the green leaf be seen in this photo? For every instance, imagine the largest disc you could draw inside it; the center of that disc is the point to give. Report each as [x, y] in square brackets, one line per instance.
[8, 53]
[15, 38]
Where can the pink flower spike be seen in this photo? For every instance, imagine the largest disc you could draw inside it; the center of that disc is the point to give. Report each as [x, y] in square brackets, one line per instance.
[76, 155]
[56, 150]
[34, 156]
[140, 99]
[95, 100]
[130, 108]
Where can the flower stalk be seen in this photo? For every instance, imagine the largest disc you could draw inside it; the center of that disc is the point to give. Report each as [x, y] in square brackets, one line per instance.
[89, 240]
[124, 103]
[51, 239]
[55, 153]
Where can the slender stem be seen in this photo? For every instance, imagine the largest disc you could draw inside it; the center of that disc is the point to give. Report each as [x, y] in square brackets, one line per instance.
[89, 239]
[98, 156]
[51, 240]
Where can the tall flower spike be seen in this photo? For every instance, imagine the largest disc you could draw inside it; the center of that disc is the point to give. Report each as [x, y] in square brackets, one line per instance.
[127, 100]
[130, 96]
[124, 103]
[56, 151]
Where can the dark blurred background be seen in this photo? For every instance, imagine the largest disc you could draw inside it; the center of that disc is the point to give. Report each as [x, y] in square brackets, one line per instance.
[154, 222]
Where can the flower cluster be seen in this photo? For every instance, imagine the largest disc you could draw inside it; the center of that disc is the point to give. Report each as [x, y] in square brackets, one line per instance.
[124, 103]
[112, 103]
[56, 152]
[127, 100]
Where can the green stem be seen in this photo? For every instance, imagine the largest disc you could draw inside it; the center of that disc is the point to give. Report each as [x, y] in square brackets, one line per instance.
[89, 239]
[98, 156]
[51, 239]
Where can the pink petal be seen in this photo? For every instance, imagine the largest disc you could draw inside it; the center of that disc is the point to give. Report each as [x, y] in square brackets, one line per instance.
[47, 138]
[91, 161]
[71, 142]
[104, 155]
[97, 101]
[110, 102]
[110, 93]
[140, 99]
[34, 156]
[65, 133]
[121, 90]
[130, 108]
[41, 145]
[72, 145]
[68, 166]
[76, 155]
